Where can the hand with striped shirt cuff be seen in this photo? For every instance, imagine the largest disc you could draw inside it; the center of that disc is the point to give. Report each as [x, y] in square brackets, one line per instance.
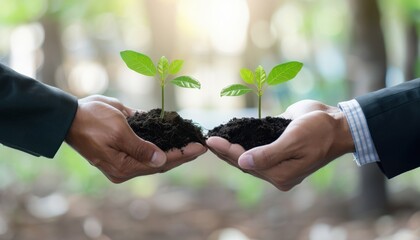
[317, 135]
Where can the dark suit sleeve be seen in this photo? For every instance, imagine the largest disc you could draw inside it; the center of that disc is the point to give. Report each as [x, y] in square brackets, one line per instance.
[393, 118]
[34, 117]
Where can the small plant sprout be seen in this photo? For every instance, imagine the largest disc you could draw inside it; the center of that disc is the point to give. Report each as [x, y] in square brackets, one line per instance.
[279, 74]
[142, 64]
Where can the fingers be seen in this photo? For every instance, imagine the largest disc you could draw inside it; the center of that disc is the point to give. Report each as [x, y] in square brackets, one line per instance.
[130, 111]
[225, 150]
[264, 157]
[189, 152]
[129, 167]
[286, 174]
[141, 150]
[112, 102]
[177, 157]
[230, 153]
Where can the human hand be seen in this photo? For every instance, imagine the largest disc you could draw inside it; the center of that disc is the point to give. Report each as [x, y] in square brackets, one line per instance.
[318, 134]
[101, 134]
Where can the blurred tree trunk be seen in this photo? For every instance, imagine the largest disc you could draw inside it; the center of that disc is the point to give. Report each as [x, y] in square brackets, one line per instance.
[53, 50]
[412, 51]
[162, 18]
[367, 71]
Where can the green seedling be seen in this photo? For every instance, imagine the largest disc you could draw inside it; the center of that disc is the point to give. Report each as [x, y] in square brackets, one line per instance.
[142, 64]
[279, 74]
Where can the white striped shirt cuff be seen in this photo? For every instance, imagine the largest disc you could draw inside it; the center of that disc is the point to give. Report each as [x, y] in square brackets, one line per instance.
[365, 149]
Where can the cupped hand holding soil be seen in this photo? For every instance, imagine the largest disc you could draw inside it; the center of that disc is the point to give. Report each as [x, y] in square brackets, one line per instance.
[317, 135]
[180, 138]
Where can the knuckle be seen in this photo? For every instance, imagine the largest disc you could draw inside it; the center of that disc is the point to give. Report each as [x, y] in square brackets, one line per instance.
[114, 174]
[96, 97]
[113, 99]
[163, 170]
[113, 167]
[119, 177]
[128, 170]
[114, 102]
[124, 167]
[121, 173]
[281, 179]
[267, 158]
[284, 188]
[141, 152]
[116, 180]
[94, 162]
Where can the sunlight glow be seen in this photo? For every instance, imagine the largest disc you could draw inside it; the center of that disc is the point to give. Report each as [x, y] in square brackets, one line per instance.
[288, 22]
[25, 41]
[263, 35]
[223, 23]
[134, 83]
[229, 24]
[88, 78]
[211, 78]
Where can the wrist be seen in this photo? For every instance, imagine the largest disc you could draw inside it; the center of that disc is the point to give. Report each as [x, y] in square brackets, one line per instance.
[344, 139]
[74, 126]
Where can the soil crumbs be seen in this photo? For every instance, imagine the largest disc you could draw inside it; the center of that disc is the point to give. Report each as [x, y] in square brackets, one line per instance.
[170, 132]
[251, 132]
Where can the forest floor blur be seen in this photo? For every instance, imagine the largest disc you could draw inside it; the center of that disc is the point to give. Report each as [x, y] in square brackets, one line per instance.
[210, 212]
[207, 199]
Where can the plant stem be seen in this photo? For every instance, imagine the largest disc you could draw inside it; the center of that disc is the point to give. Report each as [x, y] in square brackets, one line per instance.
[259, 106]
[162, 113]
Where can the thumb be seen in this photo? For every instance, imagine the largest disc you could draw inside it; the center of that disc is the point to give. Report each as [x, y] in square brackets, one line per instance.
[143, 151]
[263, 157]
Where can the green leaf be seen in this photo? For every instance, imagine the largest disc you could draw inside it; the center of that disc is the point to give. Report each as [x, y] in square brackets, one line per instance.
[163, 67]
[138, 62]
[260, 75]
[186, 82]
[247, 75]
[284, 72]
[175, 66]
[235, 90]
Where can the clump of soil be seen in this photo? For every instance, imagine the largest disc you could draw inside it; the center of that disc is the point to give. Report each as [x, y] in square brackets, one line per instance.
[170, 132]
[251, 132]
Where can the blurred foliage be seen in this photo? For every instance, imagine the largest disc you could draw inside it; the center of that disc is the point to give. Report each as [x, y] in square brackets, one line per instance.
[73, 171]
[248, 189]
[82, 176]
[21, 11]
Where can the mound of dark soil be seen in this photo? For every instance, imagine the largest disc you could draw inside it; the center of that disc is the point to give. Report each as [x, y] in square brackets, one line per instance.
[170, 132]
[251, 132]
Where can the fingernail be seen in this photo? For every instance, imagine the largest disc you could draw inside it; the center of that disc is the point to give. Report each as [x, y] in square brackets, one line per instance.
[246, 161]
[158, 159]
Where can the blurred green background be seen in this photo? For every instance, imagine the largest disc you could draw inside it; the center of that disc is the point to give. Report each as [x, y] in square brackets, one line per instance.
[348, 47]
